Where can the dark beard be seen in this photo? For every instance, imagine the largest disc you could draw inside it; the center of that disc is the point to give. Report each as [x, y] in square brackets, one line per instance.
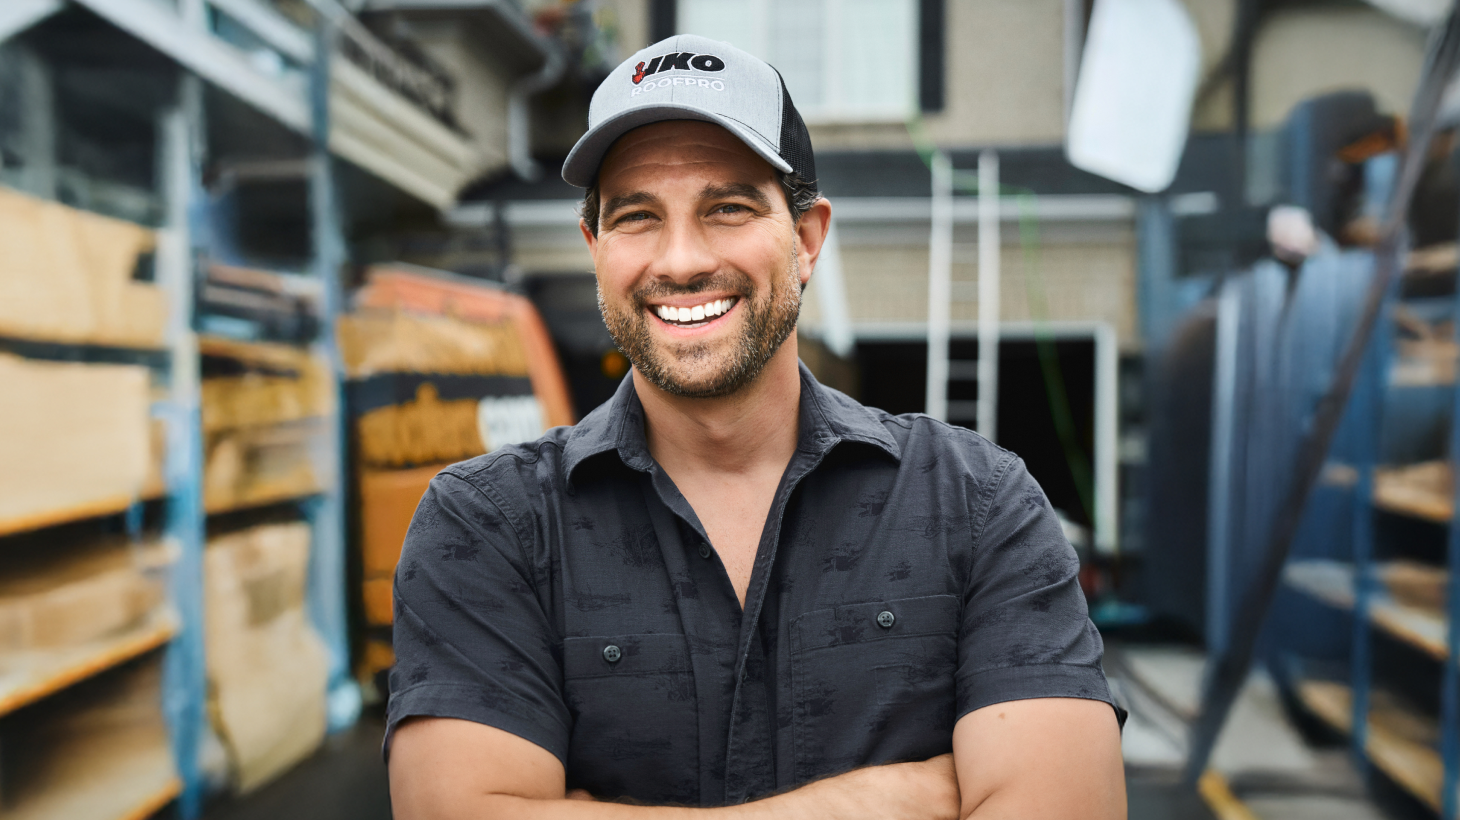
[768, 324]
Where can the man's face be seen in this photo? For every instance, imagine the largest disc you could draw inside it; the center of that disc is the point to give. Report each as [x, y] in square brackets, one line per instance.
[699, 281]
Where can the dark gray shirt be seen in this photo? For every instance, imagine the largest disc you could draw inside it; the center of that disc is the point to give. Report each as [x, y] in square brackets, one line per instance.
[909, 572]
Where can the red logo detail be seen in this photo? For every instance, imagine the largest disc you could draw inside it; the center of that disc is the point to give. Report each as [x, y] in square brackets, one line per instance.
[638, 73]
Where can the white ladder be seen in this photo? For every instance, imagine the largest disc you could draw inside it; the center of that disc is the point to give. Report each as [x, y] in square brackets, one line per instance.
[984, 370]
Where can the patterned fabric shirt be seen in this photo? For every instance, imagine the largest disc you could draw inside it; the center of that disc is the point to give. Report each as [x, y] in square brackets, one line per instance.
[909, 572]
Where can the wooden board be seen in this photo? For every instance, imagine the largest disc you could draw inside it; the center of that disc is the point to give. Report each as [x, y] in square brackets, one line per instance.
[104, 754]
[1399, 741]
[1332, 582]
[1422, 490]
[27, 678]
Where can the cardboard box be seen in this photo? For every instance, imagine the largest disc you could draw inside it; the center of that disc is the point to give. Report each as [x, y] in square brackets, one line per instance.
[267, 667]
[73, 435]
[68, 597]
[66, 276]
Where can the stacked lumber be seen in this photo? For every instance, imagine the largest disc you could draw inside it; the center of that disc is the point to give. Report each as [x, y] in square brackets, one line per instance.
[58, 599]
[67, 276]
[263, 422]
[101, 750]
[1427, 352]
[1424, 490]
[267, 667]
[1414, 584]
[75, 436]
[252, 466]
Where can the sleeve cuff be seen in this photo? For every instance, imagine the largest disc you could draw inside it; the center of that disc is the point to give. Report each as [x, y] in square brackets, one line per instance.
[1006, 683]
[462, 702]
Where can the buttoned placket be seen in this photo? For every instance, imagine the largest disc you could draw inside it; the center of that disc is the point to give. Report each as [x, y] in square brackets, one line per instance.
[712, 618]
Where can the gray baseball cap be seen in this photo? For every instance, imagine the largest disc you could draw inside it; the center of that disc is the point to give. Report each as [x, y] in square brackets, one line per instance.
[688, 77]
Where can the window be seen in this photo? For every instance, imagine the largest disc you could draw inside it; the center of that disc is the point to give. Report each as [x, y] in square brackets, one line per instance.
[842, 60]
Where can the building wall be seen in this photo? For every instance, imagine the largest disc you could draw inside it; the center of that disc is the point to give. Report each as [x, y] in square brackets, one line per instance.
[1092, 279]
[1004, 67]
[482, 87]
[1299, 53]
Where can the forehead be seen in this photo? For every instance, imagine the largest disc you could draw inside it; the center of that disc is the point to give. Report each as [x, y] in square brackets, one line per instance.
[677, 147]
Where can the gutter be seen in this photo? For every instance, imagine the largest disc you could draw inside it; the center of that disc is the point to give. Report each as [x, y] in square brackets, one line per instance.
[519, 114]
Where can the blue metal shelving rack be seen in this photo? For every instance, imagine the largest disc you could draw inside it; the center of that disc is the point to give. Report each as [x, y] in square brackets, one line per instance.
[185, 238]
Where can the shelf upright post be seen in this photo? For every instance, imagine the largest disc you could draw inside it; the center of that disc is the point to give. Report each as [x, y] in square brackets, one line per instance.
[327, 576]
[1367, 407]
[184, 683]
[1450, 694]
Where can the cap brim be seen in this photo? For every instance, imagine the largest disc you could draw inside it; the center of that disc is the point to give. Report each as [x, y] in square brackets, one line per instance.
[581, 167]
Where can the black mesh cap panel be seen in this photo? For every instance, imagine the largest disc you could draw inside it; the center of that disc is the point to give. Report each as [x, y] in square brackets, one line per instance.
[796, 140]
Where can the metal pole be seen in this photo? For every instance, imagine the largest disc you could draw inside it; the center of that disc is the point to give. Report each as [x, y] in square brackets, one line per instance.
[987, 410]
[184, 672]
[940, 286]
[327, 577]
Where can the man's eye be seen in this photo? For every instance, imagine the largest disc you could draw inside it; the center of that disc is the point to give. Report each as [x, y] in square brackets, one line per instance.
[730, 208]
[636, 216]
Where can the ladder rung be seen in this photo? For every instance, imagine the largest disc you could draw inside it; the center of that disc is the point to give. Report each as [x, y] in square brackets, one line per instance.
[962, 410]
[962, 370]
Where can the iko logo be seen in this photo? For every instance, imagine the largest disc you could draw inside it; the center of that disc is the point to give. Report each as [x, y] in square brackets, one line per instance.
[683, 60]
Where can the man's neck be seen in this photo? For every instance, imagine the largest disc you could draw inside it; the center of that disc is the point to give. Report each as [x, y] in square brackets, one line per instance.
[745, 433]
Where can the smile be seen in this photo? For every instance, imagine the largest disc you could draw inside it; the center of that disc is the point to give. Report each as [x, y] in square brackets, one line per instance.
[694, 316]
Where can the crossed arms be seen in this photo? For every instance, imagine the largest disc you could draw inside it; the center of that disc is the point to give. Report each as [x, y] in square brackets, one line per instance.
[1041, 759]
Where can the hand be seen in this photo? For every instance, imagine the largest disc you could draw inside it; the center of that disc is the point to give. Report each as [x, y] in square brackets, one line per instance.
[925, 790]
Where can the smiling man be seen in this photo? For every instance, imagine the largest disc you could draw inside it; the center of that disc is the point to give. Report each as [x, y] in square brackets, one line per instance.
[731, 590]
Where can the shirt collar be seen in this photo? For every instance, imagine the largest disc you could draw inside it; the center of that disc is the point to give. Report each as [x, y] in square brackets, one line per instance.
[828, 418]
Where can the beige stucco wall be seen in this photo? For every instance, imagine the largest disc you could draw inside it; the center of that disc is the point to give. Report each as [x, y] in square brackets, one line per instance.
[1084, 281]
[481, 91]
[1300, 53]
[1004, 72]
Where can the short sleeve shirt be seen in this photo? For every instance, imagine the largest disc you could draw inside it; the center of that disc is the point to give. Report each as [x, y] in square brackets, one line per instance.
[909, 572]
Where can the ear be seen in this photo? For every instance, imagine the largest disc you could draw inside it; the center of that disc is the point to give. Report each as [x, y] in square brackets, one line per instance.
[811, 236]
[590, 238]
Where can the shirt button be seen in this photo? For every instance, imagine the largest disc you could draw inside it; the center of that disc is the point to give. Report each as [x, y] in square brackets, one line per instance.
[704, 550]
[611, 653]
[885, 619]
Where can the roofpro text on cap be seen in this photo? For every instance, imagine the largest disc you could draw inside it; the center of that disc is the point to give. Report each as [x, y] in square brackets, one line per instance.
[688, 77]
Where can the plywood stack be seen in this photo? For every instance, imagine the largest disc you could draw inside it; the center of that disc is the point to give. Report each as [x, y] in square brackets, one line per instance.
[64, 598]
[67, 276]
[74, 437]
[263, 424]
[267, 667]
[100, 750]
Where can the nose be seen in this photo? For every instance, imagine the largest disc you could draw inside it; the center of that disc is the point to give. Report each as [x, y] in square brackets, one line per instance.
[684, 252]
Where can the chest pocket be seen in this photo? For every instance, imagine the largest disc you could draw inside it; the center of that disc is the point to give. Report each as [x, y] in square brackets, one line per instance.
[635, 726]
[873, 683]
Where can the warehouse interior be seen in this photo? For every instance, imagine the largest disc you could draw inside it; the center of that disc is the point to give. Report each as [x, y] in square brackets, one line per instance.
[267, 266]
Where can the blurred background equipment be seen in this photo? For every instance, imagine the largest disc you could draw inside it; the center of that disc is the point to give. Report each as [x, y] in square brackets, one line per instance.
[269, 265]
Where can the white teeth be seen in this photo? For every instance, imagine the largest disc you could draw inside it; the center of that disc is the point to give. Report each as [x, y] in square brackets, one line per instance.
[698, 313]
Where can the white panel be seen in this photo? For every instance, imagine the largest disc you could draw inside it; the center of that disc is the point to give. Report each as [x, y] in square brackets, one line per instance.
[727, 20]
[796, 50]
[878, 58]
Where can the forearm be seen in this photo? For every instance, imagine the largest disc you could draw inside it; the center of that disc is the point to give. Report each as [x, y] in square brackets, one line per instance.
[904, 791]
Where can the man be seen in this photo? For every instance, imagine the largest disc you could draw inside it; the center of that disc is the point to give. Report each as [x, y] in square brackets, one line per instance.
[731, 589]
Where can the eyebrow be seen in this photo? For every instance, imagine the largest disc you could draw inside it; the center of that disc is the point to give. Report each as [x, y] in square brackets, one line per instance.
[622, 201]
[736, 189]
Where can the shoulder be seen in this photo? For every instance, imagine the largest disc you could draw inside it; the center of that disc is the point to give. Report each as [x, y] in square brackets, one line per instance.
[518, 479]
[939, 449]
